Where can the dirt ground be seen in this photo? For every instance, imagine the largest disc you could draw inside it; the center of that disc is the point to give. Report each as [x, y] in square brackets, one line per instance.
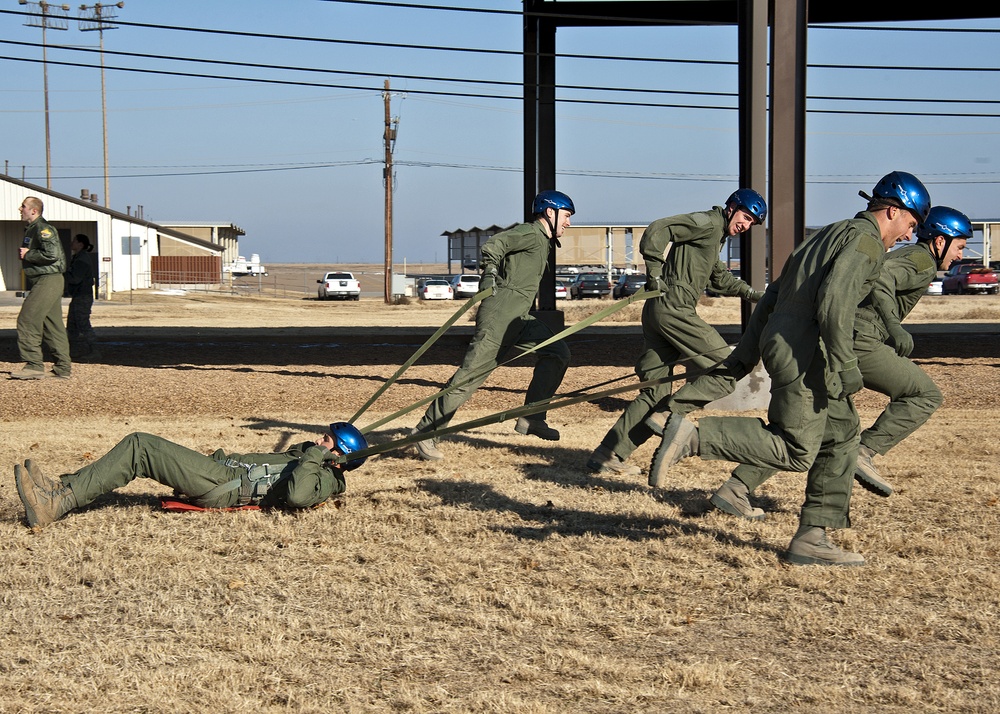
[505, 579]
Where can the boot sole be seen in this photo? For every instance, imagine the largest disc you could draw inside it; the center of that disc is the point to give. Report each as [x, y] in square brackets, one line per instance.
[726, 507]
[879, 488]
[530, 431]
[28, 512]
[601, 468]
[796, 559]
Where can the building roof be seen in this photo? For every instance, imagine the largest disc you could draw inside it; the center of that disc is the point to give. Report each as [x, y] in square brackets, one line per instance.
[159, 228]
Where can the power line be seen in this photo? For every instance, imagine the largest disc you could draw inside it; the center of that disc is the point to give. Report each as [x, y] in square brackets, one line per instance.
[566, 100]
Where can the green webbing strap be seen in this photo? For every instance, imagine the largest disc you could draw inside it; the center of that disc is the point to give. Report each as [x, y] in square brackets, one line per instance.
[526, 410]
[586, 322]
[426, 346]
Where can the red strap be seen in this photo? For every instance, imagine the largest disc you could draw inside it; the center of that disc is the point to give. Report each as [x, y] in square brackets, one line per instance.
[173, 504]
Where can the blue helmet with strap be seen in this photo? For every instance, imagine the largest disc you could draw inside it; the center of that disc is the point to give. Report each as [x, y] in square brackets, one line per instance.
[750, 201]
[945, 221]
[348, 440]
[906, 190]
[552, 199]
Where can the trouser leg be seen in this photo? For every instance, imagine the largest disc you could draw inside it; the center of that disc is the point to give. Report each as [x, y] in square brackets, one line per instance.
[753, 476]
[480, 360]
[44, 296]
[629, 432]
[913, 397]
[142, 455]
[553, 361]
[831, 477]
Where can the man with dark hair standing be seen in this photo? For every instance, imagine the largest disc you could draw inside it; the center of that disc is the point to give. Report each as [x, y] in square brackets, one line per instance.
[40, 319]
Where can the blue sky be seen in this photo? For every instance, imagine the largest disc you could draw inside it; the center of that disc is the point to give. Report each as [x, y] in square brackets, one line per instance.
[299, 168]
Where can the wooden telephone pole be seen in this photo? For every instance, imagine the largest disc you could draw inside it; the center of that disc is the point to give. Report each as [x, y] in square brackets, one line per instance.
[389, 138]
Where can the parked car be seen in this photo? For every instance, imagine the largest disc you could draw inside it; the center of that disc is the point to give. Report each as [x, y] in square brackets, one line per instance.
[628, 284]
[589, 285]
[340, 285]
[969, 278]
[435, 289]
[465, 286]
[935, 287]
[561, 291]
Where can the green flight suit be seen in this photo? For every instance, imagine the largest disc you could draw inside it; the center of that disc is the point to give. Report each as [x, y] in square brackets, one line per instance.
[307, 477]
[807, 347]
[671, 327]
[913, 396]
[520, 256]
[40, 319]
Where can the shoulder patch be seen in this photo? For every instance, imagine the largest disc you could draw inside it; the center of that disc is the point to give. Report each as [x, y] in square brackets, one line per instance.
[871, 247]
[922, 260]
[46, 233]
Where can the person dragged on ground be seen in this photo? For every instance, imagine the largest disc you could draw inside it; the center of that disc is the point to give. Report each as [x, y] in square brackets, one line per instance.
[304, 476]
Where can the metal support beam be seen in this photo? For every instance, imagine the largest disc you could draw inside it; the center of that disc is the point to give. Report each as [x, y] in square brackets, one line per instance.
[752, 32]
[540, 128]
[788, 121]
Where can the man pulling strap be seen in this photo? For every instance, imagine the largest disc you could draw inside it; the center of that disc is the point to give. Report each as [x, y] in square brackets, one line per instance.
[513, 264]
[305, 475]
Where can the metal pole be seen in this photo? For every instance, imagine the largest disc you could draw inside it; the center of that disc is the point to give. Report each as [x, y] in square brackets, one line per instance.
[102, 16]
[388, 200]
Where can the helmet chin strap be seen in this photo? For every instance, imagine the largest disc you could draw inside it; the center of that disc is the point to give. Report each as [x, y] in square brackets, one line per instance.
[551, 225]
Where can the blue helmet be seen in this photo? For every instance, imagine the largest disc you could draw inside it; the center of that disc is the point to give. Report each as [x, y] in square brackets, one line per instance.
[944, 221]
[751, 202]
[907, 190]
[348, 440]
[552, 199]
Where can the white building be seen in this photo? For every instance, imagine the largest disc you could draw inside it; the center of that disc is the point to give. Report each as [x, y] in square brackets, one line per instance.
[126, 249]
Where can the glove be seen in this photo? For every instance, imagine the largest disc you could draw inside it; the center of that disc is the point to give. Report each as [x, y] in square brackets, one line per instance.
[755, 295]
[655, 284]
[901, 340]
[489, 279]
[851, 382]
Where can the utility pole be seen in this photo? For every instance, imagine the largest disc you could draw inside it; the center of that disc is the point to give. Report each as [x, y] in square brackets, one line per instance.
[99, 18]
[389, 138]
[44, 19]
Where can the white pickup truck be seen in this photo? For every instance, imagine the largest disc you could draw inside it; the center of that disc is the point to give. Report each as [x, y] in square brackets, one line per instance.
[340, 285]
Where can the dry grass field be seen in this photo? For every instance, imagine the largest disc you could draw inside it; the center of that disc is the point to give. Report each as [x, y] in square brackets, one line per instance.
[505, 579]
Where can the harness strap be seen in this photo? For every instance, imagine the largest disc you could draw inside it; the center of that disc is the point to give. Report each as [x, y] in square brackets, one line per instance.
[253, 484]
[423, 348]
[643, 295]
[526, 410]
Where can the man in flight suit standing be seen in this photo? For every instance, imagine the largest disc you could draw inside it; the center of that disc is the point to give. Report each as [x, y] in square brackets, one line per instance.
[671, 327]
[882, 347]
[40, 318]
[807, 347]
[513, 263]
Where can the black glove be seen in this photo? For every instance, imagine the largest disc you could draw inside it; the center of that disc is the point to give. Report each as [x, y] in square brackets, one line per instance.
[851, 382]
[655, 284]
[902, 341]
